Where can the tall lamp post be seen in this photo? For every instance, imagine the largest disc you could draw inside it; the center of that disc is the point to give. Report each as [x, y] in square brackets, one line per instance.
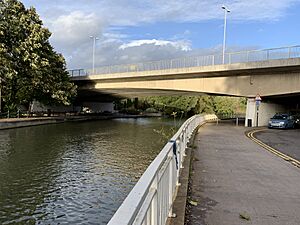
[226, 10]
[94, 49]
[0, 94]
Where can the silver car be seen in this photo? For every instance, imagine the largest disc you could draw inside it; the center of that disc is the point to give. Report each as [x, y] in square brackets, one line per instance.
[281, 120]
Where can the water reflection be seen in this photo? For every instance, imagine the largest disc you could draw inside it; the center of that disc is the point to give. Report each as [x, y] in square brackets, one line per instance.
[74, 173]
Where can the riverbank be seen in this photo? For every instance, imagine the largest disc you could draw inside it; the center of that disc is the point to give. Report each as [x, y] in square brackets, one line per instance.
[26, 122]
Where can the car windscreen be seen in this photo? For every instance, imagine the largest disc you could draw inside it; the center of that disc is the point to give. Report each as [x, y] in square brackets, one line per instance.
[280, 117]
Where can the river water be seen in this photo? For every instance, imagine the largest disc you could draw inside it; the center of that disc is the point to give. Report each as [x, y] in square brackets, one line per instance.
[75, 173]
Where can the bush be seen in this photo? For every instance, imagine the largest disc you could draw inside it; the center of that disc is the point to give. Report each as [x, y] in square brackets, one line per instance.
[130, 111]
[151, 110]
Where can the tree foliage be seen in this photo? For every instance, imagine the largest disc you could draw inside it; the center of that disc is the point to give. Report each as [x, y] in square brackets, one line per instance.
[229, 105]
[30, 69]
[189, 105]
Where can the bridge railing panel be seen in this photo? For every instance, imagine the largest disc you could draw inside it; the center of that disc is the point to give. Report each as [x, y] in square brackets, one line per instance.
[294, 52]
[196, 61]
[150, 201]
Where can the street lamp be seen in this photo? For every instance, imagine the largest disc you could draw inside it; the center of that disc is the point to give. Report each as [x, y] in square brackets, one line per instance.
[0, 94]
[94, 48]
[226, 10]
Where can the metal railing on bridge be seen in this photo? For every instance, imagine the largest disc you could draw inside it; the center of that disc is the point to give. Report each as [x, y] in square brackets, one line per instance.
[150, 201]
[195, 61]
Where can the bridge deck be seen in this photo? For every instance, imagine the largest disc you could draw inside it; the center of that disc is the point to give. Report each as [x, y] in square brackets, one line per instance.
[233, 177]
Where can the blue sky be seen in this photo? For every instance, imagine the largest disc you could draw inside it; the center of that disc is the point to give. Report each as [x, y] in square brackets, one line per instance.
[146, 30]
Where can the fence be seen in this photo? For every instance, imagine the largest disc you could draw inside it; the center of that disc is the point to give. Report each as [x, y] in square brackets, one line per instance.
[150, 201]
[196, 61]
[26, 114]
[8, 114]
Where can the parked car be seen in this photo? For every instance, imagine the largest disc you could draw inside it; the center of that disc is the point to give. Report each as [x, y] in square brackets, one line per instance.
[282, 120]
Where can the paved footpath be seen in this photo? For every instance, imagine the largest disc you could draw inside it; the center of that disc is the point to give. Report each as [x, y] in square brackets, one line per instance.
[233, 179]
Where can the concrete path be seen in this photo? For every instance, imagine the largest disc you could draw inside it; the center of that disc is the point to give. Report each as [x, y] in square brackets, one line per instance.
[234, 179]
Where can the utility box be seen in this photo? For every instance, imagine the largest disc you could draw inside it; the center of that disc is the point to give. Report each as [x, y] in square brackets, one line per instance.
[249, 122]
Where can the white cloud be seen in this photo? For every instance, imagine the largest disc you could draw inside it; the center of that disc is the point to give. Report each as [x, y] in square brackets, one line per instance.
[118, 52]
[111, 53]
[71, 37]
[74, 29]
[134, 12]
[72, 22]
[182, 45]
[260, 9]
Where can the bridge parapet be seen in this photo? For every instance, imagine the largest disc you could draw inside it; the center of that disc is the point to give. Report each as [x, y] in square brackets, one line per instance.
[196, 61]
[151, 199]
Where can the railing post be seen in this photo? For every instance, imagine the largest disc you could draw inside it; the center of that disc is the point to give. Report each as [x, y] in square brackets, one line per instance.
[154, 204]
[170, 189]
[184, 138]
[213, 60]
[247, 56]
[179, 153]
[289, 52]
[183, 147]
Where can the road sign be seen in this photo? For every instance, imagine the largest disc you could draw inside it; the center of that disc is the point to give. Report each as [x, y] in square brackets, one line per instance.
[257, 101]
[257, 98]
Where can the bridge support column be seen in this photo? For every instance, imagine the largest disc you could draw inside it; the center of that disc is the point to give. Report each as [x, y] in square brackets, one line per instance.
[266, 111]
[136, 103]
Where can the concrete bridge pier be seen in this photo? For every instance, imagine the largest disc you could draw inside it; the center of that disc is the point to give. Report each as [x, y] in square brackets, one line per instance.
[260, 115]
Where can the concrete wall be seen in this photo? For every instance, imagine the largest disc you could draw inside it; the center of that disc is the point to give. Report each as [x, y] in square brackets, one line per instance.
[39, 107]
[26, 122]
[93, 106]
[99, 106]
[265, 112]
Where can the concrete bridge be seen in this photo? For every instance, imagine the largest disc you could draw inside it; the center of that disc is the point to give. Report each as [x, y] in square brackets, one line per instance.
[274, 74]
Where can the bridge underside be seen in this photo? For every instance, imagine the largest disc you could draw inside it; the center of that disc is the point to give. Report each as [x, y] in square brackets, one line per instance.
[274, 78]
[110, 94]
[277, 82]
[243, 86]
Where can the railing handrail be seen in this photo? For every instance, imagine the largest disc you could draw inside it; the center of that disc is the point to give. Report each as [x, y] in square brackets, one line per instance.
[264, 49]
[134, 67]
[135, 207]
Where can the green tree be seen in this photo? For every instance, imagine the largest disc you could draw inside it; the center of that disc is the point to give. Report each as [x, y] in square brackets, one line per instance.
[205, 104]
[229, 105]
[190, 105]
[30, 68]
[181, 104]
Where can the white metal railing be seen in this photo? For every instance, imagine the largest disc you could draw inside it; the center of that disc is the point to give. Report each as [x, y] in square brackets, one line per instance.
[151, 199]
[195, 61]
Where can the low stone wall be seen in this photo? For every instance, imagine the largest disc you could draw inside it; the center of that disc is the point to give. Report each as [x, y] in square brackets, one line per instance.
[25, 122]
